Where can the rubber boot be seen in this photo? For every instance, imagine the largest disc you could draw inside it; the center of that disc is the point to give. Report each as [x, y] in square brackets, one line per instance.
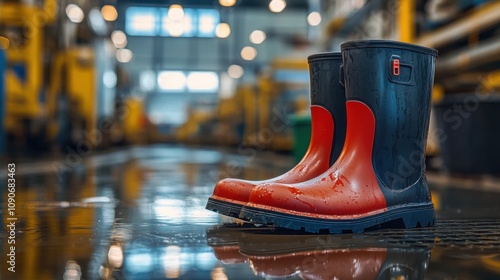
[322, 264]
[328, 118]
[378, 179]
[347, 263]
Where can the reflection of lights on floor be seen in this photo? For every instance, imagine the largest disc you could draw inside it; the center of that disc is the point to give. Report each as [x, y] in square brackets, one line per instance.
[169, 209]
[205, 260]
[183, 211]
[115, 256]
[104, 272]
[177, 260]
[139, 262]
[73, 271]
[219, 274]
[172, 262]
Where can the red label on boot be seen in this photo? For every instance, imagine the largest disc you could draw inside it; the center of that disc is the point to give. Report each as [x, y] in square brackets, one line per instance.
[395, 67]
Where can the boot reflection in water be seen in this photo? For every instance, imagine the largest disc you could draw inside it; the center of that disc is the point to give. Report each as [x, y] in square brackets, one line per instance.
[367, 263]
[328, 116]
[379, 178]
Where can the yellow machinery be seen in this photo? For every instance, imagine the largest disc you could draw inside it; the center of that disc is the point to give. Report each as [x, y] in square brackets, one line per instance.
[134, 122]
[281, 93]
[231, 117]
[24, 76]
[256, 115]
[74, 68]
[33, 113]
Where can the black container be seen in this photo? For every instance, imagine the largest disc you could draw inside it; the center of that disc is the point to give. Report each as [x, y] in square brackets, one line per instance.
[469, 133]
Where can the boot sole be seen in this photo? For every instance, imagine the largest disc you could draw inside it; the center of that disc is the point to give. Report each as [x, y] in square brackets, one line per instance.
[224, 208]
[408, 216]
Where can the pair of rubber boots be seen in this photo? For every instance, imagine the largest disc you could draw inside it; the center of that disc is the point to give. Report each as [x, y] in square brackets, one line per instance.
[365, 166]
[273, 254]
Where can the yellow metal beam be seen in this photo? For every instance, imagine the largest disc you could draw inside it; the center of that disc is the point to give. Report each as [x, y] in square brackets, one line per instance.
[334, 25]
[478, 19]
[50, 10]
[289, 63]
[406, 19]
[22, 14]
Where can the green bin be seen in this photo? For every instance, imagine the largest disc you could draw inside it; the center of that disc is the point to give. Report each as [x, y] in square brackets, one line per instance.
[301, 127]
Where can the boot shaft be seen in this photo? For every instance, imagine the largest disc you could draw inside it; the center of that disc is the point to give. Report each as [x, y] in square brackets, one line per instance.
[327, 90]
[395, 80]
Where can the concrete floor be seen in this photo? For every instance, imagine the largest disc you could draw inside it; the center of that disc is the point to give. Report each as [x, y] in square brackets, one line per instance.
[139, 213]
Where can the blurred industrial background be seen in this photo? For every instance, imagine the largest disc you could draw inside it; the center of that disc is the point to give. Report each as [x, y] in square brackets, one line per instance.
[86, 75]
[121, 115]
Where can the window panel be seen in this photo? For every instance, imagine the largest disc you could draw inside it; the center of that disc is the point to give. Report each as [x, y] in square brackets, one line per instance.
[141, 21]
[150, 21]
[171, 80]
[183, 28]
[203, 81]
[207, 22]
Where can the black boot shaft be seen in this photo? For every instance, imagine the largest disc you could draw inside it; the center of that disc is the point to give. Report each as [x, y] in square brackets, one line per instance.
[395, 80]
[327, 90]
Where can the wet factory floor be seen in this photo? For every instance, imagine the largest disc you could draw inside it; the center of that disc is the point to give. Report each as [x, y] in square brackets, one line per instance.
[139, 213]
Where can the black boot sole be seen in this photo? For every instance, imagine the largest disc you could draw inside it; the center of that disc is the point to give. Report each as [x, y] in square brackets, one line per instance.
[407, 216]
[224, 208]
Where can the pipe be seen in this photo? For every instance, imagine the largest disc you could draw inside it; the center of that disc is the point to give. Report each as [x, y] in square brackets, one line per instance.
[485, 52]
[483, 17]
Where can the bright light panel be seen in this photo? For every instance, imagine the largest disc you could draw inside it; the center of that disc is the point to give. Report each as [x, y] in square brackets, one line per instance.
[141, 21]
[184, 27]
[203, 81]
[171, 80]
[175, 12]
[208, 19]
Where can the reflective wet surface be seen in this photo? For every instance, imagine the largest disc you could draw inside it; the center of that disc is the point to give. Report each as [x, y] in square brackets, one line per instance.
[139, 213]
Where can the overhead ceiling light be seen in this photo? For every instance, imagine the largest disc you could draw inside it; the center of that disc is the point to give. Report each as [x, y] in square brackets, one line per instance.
[227, 3]
[223, 30]
[175, 12]
[314, 18]
[257, 36]
[276, 6]
[235, 71]
[74, 13]
[175, 29]
[248, 53]
[124, 55]
[109, 13]
[119, 39]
